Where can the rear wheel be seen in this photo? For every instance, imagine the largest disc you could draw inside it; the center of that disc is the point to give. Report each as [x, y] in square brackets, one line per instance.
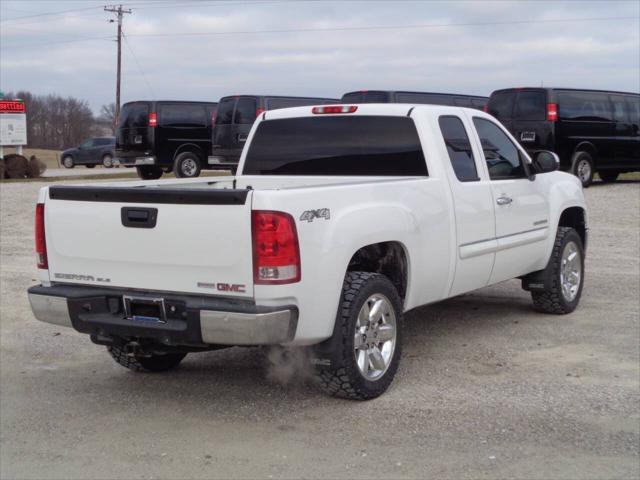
[609, 176]
[107, 161]
[368, 352]
[149, 172]
[566, 270]
[68, 162]
[152, 363]
[582, 167]
[187, 165]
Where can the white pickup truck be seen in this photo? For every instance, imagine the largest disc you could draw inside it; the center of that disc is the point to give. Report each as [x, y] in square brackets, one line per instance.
[340, 219]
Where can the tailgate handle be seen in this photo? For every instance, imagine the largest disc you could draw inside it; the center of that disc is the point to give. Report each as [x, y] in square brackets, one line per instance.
[138, 217]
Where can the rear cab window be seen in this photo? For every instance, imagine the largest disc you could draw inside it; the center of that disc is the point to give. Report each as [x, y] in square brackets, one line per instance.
[336, 146]
[134, 115]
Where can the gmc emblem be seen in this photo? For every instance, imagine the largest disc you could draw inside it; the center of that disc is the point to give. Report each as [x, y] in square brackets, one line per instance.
[231, 287]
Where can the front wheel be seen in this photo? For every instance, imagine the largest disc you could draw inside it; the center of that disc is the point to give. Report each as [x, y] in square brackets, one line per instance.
[566, 270]
[68, 162]
[582, 167]
[368, 352]
[152, 363]
[107, 161]
[149, 172]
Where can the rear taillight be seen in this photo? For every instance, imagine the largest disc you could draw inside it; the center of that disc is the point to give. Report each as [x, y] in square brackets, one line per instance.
[335, 109]
[552, 112]
[153, 119]
[259, 111]
[276, 256]
[41, 244]
[485, 109]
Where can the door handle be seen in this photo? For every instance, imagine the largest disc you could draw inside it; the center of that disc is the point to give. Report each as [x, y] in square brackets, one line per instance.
[138, 217]
[504, 200]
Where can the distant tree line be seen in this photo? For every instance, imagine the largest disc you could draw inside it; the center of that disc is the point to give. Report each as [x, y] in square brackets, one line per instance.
[56, 122]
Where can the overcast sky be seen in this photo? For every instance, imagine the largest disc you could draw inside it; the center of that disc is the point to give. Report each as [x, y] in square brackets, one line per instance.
[202, 50]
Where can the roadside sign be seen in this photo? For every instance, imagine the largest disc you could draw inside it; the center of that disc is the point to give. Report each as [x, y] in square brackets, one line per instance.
[13, 123]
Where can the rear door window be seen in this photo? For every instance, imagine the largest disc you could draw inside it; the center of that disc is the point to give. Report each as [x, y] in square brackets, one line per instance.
[182, 115]
[336, 145]
[531, 105]
[584, 106]
[277, 103]
[501, 154]
[134, 115]
[459, 148]
[245, 111]
[619, 108]
[501, 105]
[224, 114]
[366, 97]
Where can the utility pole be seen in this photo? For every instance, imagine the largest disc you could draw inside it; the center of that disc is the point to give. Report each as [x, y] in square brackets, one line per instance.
[119, 11]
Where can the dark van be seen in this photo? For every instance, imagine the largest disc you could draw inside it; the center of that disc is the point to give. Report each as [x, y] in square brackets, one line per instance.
[384, 96]
[235, 117]
[165, 136]
[590, 130]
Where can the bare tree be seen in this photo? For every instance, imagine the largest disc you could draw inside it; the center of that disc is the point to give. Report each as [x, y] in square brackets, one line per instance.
[108, 114]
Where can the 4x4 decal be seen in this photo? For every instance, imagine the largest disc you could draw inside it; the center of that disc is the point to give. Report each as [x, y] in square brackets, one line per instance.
[311, 215]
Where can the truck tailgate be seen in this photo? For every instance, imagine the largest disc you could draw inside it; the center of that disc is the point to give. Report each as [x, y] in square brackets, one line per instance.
[192, 240]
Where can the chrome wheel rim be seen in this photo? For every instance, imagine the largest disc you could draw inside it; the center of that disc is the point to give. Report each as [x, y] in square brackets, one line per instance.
[68, 161]
[584, 170]
[570, 271]
[375, 337]
[107, 161]
[189, 167]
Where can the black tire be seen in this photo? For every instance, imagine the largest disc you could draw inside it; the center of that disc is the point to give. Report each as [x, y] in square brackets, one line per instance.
[553, 300]
[609, 176]
[90, 165]
[154, 363]
[343, 378]
[67, 162]
[187, 165]
[107, 161]
[149, 172]
[582, 166]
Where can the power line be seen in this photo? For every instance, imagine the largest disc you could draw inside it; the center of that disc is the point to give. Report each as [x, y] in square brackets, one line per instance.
[126, 42]
[382, 27]
[46, 44]
[46, 14]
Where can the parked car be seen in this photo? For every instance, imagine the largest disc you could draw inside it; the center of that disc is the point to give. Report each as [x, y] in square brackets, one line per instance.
[340, 219]
[590, 130]
[91, 152]
[430, 98]
[234, 118]
[165, 136]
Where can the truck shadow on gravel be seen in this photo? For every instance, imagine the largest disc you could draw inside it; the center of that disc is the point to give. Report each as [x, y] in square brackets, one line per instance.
[258, 377]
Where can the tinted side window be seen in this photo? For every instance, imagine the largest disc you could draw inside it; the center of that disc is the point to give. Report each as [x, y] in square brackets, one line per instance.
[134, 115]
[501, 105]
[619, 108]
[459, 148]
[276, 103]
[634, 109]
[100, 142]
[585, 106]
[478, 103]
[502, 156]
[531, 106]
[182, 115]
[224, 114]
[353, 98]
[462, 102]
[336, 145]
[366, 97]
[245, 110]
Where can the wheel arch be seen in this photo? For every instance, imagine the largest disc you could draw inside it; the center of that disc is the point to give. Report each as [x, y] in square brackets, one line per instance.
[588, 147]
[387, 258]
[576, 218]
[190, 147]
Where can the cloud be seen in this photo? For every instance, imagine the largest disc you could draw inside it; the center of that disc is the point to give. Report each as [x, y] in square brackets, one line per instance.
[57, 54]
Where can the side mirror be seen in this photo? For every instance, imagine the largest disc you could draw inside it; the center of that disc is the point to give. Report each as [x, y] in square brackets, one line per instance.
[545, 161]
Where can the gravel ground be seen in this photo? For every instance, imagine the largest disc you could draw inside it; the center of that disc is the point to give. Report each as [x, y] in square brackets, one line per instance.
[487, 388]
